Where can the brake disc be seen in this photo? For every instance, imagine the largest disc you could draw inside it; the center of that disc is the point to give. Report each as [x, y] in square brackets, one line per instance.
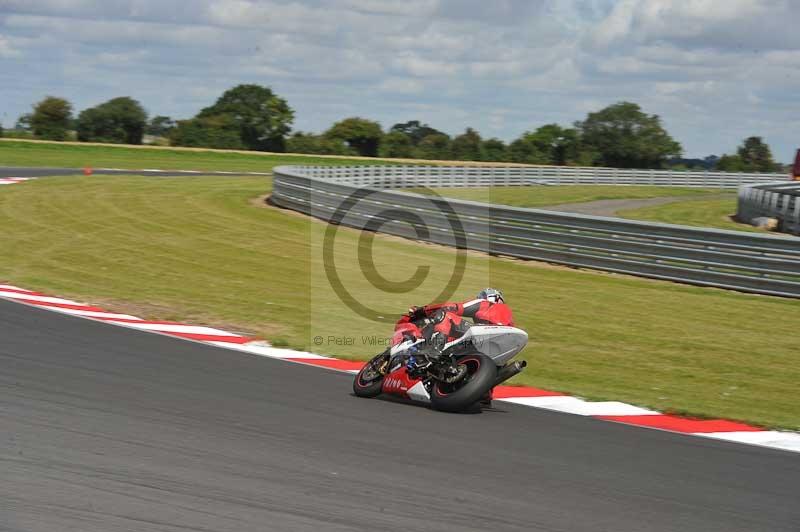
[460, 373]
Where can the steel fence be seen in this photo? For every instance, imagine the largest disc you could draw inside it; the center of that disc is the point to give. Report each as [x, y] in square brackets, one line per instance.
[473, 176]
[357, 196]
[779, 200]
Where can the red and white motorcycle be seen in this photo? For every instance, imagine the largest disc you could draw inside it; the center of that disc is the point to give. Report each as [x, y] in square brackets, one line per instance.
[452, 377]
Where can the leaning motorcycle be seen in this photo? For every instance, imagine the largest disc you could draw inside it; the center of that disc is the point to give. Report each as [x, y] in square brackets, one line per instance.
[452, 377]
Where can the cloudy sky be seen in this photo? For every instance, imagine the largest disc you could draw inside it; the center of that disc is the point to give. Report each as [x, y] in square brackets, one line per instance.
[716, 71]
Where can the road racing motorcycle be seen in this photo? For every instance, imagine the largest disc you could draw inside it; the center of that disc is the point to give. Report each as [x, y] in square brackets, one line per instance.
[450, 376]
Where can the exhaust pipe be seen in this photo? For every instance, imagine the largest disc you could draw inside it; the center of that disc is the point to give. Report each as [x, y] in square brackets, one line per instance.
[509, 370]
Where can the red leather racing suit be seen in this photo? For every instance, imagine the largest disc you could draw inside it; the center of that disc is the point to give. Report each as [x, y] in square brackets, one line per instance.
[452, 325]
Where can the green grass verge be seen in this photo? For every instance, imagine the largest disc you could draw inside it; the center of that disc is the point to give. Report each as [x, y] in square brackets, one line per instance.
[545, 196]
[701, 213]
[55, 154]
[695, 210]
[198, 249]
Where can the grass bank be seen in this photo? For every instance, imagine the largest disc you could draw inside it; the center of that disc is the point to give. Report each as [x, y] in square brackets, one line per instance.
[28, 152]
[701, 213]
[545, 196]
[79, 155]
[694, 210]
[202, 249]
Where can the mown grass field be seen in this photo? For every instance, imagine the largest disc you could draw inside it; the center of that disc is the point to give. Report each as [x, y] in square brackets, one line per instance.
[702, 207]
[56, 154]
[201, 249]
[546, 195]
[701, 213]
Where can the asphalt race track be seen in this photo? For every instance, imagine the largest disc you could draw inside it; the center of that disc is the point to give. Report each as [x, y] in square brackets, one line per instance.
[105, 428]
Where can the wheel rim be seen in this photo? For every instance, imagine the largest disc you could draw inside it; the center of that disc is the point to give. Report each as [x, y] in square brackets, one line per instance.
[368, 374]
[473, 365]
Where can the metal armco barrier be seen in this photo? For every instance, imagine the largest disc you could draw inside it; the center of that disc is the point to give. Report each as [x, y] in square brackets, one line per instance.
[471, 176]
[779, 200]
[357, 196]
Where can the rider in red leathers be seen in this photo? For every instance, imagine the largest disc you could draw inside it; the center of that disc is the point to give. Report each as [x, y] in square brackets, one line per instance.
[488, 308]
[444, 321]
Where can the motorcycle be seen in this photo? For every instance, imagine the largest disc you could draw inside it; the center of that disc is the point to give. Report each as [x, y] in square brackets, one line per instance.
[452, 376]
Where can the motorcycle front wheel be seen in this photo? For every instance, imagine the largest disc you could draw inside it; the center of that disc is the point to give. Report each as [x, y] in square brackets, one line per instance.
[455, 397]
[369, 381]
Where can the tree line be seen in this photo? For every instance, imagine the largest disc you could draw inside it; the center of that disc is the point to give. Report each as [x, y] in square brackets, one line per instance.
[253, 117]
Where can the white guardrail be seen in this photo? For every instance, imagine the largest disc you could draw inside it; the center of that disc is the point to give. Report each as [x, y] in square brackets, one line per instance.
[779, 200]
[474, 176]
[357, 197]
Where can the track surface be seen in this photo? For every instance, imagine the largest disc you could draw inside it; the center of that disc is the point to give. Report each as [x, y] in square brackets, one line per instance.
[106, 428]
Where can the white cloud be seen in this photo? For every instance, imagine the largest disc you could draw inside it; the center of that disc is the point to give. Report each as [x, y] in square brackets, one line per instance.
[7, 50]
[393, 7]
[415, 65]
[401, 85]
[502, 67]
[616, 25]
[728, 24]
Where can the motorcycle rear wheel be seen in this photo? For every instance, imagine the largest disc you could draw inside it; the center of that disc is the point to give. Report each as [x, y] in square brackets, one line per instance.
[369, 381]
[481, 374]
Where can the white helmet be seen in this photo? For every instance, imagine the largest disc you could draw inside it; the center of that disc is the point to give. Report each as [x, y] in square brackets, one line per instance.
[491, 294]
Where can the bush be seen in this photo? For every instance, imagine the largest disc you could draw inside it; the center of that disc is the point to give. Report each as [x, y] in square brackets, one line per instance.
[220, 132]
[317, 144]
[118, 121]
[51, 118]
[396, 144]
[262, 118]
[364, 136]
[434, 146]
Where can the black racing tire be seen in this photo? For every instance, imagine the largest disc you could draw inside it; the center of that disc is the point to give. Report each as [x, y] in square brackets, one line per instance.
[363, 385]
[482, 374]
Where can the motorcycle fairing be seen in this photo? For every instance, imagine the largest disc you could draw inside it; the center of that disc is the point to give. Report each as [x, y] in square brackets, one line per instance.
[498, 342]
[399, 383]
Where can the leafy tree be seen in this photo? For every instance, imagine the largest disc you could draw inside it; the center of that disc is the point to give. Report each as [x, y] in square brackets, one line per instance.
[24, 122]
[159, 126]
[679, 163]
[415, 130]
[494, 150]
[263, 118]
[396, 144]
[119, 120]
[522, 150]
[753, 155]
[467, 146]
[435, 146]
[362, 135]
[220, 132]
[549, 144]
[51, 118]
[301, 142]
[560, 144]
[710, 161]
[623, 136]
[730, 163]
[756, 156]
